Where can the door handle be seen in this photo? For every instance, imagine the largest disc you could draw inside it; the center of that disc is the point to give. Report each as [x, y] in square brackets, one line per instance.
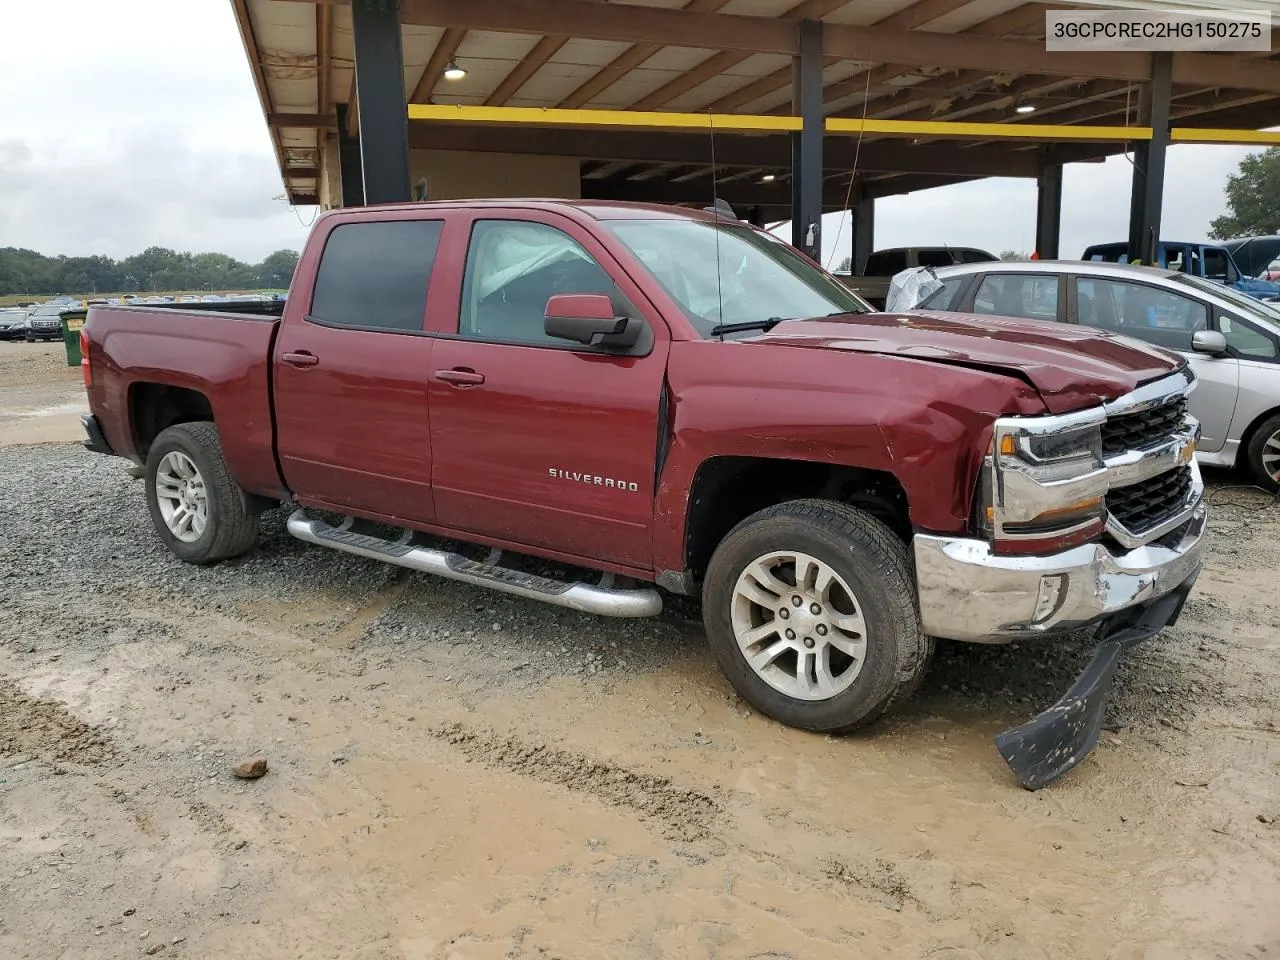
[461, 377]
[300, 359]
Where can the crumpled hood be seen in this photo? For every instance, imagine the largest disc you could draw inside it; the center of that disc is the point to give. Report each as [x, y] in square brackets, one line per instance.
[1071, 367]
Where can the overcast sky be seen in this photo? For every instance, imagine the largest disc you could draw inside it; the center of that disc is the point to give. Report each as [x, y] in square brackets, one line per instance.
[134, 123]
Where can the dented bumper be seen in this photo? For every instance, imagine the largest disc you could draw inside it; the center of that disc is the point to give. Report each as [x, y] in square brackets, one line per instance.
[1043, 749]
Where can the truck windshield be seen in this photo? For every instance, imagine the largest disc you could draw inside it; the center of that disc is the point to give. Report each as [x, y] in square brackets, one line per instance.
[760, 278]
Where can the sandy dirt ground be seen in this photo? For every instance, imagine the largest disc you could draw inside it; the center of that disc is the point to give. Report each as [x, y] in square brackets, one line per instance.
[455, 774]
[41, 398]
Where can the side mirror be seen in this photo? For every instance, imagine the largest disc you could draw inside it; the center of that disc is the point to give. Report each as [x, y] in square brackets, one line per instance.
[589, 318]
[1209, 341]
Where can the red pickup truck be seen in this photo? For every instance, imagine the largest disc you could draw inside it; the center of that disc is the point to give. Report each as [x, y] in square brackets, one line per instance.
[657, 396]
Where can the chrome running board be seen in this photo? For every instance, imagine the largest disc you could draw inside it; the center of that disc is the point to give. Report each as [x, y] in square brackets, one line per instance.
[602, 598]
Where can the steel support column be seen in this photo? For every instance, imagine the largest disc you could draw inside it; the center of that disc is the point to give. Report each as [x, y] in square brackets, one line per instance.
[1049, 211]
[1149, 160]
[806, 146]
[864, 229]
[384, 125]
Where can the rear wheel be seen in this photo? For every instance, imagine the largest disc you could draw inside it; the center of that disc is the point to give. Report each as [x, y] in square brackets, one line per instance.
[197, 507]
[810, 609]
[1264, 454]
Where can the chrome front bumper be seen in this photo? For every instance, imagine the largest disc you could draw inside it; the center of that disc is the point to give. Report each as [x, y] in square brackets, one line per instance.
[967, 592]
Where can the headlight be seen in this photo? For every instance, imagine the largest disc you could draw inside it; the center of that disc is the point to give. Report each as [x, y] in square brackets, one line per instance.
[1072, 444]
[1047, 481]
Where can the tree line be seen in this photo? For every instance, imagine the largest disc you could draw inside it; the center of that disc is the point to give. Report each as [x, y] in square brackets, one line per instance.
[156, 268]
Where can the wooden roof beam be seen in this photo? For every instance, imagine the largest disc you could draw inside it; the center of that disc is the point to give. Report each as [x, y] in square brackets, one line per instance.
[916, 15]
[719, 63]
[324, 58]
[628, 60]
[446, 49]
[523, 72]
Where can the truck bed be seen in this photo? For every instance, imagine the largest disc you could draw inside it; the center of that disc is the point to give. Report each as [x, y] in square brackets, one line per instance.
[223, 356]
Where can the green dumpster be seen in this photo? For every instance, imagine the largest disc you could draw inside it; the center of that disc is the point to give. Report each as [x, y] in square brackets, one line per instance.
[72, 321]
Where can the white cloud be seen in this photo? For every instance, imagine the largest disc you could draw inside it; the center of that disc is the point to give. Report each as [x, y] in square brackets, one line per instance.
[135, 124]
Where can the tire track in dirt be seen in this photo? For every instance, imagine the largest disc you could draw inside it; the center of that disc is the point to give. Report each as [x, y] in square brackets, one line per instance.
[685, 814]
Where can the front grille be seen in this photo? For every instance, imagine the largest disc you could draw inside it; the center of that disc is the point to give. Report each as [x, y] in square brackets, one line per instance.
[1143, 506]
[1136, 431]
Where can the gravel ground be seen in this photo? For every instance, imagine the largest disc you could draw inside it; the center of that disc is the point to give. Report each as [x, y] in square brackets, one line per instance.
[455, 773]
[122, 559]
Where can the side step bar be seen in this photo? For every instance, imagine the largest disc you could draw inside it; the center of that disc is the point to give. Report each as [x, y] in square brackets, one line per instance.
[602, 599]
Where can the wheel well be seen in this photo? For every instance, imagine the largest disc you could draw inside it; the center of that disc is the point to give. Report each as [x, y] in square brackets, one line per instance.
[727, 490]
[1246, 438]
[154, 407]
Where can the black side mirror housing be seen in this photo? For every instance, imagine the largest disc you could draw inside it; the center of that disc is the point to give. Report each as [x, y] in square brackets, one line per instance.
[589, 319]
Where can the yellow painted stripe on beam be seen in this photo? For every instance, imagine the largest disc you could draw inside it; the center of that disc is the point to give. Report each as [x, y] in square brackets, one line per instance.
[538, 116]
[985, 131]
[1207, 135]
[757, 123]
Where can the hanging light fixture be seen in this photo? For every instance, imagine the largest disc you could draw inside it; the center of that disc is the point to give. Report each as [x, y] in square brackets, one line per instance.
[1025, 108]
[769, 178]
[453, 71]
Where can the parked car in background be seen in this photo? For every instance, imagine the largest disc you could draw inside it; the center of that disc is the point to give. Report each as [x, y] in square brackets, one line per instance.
[1232, 341]
[1197, 259]
[873, 283]
[13, 323]
[45, 322]
[1253, 255]
[661, 396]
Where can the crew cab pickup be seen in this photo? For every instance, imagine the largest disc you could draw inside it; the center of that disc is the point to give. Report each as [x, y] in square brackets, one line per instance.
[663, 398]
[883, 265]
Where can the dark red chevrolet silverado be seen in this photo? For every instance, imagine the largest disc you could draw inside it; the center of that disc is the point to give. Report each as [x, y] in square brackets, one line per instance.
[660, 396]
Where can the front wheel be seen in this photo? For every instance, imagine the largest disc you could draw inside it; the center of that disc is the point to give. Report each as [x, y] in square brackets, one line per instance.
[197, 507]
[1263, 453]
[810, 609]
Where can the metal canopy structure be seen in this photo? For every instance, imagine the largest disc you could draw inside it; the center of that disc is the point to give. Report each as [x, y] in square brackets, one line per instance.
[815, 104]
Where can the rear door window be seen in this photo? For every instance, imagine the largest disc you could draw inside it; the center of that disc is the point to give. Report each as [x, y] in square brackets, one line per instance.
[885, 263]
[1031, 296]
[935, 258]
[374, 275]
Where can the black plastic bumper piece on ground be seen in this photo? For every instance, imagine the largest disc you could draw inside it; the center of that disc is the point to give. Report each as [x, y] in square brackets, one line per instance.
[94, 441]
[1043, 749]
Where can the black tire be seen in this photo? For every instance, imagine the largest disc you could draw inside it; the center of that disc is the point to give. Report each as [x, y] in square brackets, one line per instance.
[232, 526]
[1268, 431]
[874, 563]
